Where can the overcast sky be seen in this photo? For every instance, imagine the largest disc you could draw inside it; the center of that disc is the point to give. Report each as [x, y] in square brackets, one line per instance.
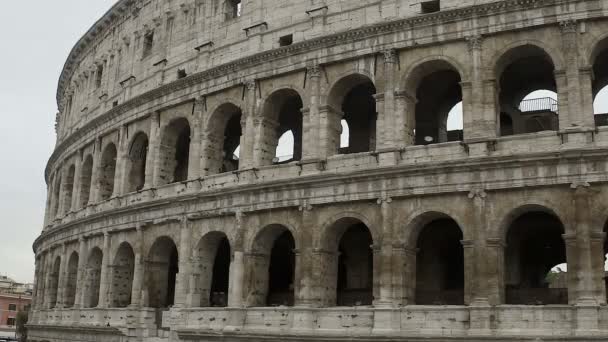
[36, 37]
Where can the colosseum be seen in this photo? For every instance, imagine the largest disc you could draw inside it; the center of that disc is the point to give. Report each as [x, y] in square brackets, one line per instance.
[265, 170]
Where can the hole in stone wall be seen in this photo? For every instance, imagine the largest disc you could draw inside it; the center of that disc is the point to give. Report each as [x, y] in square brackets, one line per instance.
[122, 276]
[181, 73]
[430, 6]
[359, 108]
[232, 141]
[221, 273]
[286, 40]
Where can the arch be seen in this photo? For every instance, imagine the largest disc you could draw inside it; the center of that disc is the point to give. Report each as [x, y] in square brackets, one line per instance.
[352, 98]
[93, 278]
[435, 83]
[223, 137]
[108, 171]
[514, 213]
[54, 283]
[534, 245]
[136, 163]
[174, 152]
[420, 219]
[86, 175]
[212, 270]
[71, 280]
[414, 74]
[599, 86]
[161, 273]
[123, 268]
[509, 53]
[520, 70]
[272, 268]
[439, 262]
[69, 189]
[282, 111]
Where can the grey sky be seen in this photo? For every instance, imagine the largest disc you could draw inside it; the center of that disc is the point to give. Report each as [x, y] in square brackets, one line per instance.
[36, 37]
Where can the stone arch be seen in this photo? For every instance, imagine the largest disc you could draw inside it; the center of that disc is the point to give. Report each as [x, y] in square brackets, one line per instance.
[500, 58]
[223, 136]
[54, 283]
[123, 267]
[272, 267]
[92, 282]
[534, 245]
[137, 156]
[347, 273]
[71, 280]
[435, 83]
[351, 99]
[281, 113]
[107, 171]
[521, 69]
[513, 213]
[174, 153]
[86, 175]
[211, 270]
[162, 267]
[599, 66]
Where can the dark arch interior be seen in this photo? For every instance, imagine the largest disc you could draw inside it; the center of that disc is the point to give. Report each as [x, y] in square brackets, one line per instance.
[93, 278]
[122, 277]
[138, 153]
[162, 273]
[221, 273]
[108, 170]
[600, 81]
[355, 267]
[182, 153]
[359, 108]
[290, 119]
[525, 70]
[440, 264]
[72, 278]
[281, 271]
[437, 94]
[232, 140]
[54, 283]
[534, 247]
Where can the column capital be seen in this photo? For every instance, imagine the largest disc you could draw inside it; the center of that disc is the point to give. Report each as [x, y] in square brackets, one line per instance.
[568, 26]
[474, 42]
[314, 71]
[390, 56]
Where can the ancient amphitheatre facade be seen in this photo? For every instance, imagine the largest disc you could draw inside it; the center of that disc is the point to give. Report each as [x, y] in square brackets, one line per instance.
[170, 216]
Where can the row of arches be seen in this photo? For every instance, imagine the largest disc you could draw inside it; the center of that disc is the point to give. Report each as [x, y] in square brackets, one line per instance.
[345, 267]
[527, 101]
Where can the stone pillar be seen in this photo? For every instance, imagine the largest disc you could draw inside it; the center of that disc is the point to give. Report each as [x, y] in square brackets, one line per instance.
[81, 278]
[195, 162]
[479, 97]
[94, 198]
[386, 129]
[138, 269]
[104, 284]
[247, 123]
[561, 81]
[63, 274]
[481, 266]
[405, 119]
[265, 134]
[409, 284]
[181, 287]
[39, 282]
[495, 268]
[237, 269]
[573, 267]
[121, 163]
[48, 279]
[585, 75]
[48, 207]
[75, 206]
[310, 125]
[153, 149]
[330, 128]
[596, 251]
[469, 271]
[305, 276]
[62, 193]
[36, 282]
[385, 262]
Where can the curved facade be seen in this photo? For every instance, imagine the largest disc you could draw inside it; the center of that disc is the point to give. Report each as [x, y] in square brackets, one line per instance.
[174, 213]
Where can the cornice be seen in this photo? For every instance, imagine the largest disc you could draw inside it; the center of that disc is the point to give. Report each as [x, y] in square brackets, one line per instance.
[267, 56]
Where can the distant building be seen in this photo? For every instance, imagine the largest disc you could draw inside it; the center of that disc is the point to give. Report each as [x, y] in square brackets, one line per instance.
[14, 297]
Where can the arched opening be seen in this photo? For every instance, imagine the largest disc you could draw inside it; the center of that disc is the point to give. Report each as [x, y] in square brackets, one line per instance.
[223, 139]
[136, 163]
[108, 170]
[161, 273]
[522, 71]
[600, 84]
[174, 152]
[355, 267]
[354, 96]
[534, 248]
[231, 142]
[440, 264]
[283, 114]
[211, 269]
[54, 283]
[85, 181]
[122, 276]
[71, 281]
[439, 94]
[93, 278]
[69, 190]
[273, 268]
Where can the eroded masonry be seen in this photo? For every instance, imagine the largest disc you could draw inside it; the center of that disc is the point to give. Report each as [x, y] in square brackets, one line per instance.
[257, 170]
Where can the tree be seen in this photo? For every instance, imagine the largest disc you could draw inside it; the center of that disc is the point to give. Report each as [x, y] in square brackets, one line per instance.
[22, 317]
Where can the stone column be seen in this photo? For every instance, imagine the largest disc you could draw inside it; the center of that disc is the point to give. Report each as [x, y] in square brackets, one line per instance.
[61, 209]
[386, 127]
[95, 197]
[573, 267]
[195, 161]
[561, 80]
[47, 213]
[469, 271]
[48, 280]
[81, 277]
[138, 270]
[409, 284]
[585, 75]
[478, 98]
[237, 270]
[596, 251]
[38, 282]
[104, 285]
[121, 163]
[153, 151]
[75, 206]
[181, 287]
[247, 123]
[495, 268]
[305, 276]
[310, 125]
[330, 128]
[385, 270]
[405, 119]
[265, 133]
[63, 274]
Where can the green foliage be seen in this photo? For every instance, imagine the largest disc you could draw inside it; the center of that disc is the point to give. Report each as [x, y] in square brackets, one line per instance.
[22, 317]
